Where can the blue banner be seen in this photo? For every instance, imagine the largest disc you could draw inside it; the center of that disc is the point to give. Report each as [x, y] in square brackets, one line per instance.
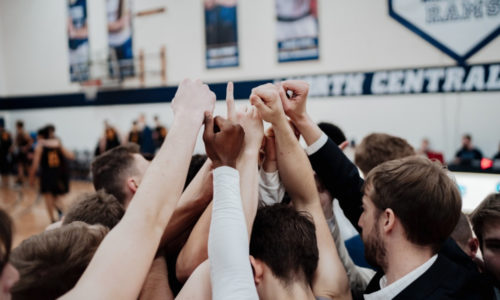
[121, 55]
[221, 34]
[297, 30]
[78, 41]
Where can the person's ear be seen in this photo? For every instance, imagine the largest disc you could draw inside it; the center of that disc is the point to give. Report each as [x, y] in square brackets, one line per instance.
[389, 220]
[257, 269]
[473, 245]
[132, 184]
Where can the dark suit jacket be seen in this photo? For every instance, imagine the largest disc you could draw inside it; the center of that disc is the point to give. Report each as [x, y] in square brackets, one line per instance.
[452, 275]
[341, 178]
[443, 280]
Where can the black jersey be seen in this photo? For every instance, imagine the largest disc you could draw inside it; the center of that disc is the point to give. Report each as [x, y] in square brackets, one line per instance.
[5, 142]
[54, 173]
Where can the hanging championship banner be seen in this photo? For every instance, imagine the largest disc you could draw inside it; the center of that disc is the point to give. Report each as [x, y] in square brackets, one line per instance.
[297, 30]
[459, 28]
[78, 41]
[221, 33]
[121, 56]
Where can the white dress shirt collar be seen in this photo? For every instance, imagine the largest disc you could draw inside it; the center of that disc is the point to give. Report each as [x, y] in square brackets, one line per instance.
[392, 290]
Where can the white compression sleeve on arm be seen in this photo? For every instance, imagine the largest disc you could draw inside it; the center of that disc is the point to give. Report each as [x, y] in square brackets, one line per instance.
[230, 269]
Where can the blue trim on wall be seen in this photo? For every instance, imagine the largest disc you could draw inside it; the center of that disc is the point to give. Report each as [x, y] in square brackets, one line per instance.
[461, 60]
[242, 90]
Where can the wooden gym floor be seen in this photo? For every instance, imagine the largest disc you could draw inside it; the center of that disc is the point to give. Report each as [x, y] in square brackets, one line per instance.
[27, 209]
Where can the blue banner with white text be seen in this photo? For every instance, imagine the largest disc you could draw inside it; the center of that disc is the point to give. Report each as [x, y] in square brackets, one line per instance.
[297, 30]
[221, 33]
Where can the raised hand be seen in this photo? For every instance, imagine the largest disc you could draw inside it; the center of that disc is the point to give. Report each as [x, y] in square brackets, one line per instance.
[231, 110]
[294, 100]
[249, 119]
[266, 98]
[192, 100]
[268, 151]
[224, 146]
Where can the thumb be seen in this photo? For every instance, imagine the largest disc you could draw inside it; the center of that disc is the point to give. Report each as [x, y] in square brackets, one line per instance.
[258, 103]
[208, 134]
[283, 95]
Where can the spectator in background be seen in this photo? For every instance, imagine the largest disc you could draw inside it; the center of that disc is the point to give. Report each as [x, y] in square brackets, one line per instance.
[147, 144]
[134, 136]
[160, 132]
[468, 152]
[485, 220]
[109, 140]
[5, 151]
[23, 143]
[425, 150]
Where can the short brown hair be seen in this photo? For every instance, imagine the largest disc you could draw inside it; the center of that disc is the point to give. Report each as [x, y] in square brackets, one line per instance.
[425, 200]
[96, 208]
[486, 211]
[377, 148]
[110, 169]
[5, 238]
[50, 263]
[462, 232]
[285, 240]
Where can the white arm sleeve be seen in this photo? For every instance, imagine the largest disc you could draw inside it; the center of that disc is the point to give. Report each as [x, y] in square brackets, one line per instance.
[230, 269]
[271, 190]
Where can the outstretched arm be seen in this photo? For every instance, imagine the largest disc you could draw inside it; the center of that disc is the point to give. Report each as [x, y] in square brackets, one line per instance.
[339, 175]
[330, 279]
[36, 163]
[230, 270]
[192, 203]
[117, 274]
[195, 250]
[156, 284]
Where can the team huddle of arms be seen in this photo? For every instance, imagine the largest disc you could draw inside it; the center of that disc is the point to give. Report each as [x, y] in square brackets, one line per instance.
[252, 223]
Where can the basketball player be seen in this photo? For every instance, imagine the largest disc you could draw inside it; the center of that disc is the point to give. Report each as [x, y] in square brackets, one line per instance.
[51, 156]
[23, 143]
[5, 150]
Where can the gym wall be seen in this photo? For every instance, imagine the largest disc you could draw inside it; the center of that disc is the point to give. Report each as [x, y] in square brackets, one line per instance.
[355, 35]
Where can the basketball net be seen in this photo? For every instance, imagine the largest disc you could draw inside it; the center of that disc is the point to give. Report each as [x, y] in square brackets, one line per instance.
[90, 89]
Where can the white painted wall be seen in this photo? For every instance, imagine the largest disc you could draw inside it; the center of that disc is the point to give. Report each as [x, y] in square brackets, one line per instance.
[2, 66]
[355, 35]
[440, 117]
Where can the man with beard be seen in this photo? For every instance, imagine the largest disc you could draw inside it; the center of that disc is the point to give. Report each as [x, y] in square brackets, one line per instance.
[410, 207]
